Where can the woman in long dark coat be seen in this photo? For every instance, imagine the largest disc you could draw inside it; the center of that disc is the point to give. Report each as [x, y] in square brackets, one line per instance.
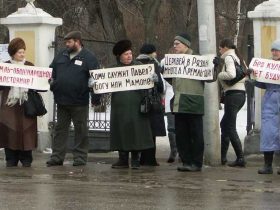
[130, 129]
[18, 132]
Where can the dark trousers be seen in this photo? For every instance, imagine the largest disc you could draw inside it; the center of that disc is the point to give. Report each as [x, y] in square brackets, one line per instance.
[13, 156]
[79, 116]
[234, 100]
[148, 156]
[189, 138]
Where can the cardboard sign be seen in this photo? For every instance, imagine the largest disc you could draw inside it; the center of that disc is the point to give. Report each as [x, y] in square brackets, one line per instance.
[265, 70]
[188, 66]
[31, 77]
[123, 78]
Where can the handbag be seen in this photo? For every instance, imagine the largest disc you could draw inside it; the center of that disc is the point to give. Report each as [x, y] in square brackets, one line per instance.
[34, 106]
[151, 102]
[240, 74]
[145, 105]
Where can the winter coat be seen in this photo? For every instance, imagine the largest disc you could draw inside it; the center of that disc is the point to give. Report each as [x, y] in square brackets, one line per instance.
[70, 86]
[130, 130]
[270, 122]
[229, 72]
[17, 132]
[189, 95]
[156, 119]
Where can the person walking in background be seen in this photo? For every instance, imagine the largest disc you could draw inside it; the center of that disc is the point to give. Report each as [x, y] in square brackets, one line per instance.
[69, 84]
[18, 133]
[189, 109]
[233, 101]
[270, 123]
[148, 55]
[130, 130]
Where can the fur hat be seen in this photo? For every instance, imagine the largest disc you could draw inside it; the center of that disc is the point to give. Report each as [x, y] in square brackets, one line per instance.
[15, 45]
[184, 38]
[122, 46]
[74, 35]
[276, 45]
[148, 49]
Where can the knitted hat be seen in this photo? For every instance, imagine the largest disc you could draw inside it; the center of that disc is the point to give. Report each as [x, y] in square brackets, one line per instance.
[77, 35]
[121, 47]
[15, 45]
[276, 45]
[147, 49]
[184, 38]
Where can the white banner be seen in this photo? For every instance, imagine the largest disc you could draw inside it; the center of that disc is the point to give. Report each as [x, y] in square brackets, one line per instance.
[31, 77]
[188, 66]
[265, 70]
[4, 55]
[123, 78]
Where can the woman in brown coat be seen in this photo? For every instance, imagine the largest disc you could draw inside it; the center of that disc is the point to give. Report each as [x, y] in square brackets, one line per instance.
[18, 132]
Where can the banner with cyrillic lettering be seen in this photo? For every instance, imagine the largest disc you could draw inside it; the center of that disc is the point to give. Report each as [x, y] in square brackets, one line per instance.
[123, 78]
[31, 77]
[265, 70]
[188, 66]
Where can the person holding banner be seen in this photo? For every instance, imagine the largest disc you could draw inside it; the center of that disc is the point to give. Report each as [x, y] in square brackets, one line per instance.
[130, 130]
[233, 102]
[148, 55]
[18, 132]
[69, 84]
[188, 109]
[270, 123]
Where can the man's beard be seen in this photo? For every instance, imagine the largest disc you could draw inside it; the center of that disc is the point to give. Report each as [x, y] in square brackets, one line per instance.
[72, 49]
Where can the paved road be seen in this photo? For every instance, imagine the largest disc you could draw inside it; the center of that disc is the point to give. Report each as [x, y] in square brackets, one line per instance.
[97, 186]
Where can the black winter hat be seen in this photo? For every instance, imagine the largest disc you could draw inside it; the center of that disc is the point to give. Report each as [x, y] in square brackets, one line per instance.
[148, 49]
[74, 35]
[184, 38]
[122, 46]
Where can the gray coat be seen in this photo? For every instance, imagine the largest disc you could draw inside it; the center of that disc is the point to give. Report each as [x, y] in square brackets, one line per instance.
[270, 130]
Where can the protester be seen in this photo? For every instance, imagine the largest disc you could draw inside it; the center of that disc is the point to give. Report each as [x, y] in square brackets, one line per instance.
[234, 99]
[130, 130]
[270, 123]
[148, 55]
[189, 110]
[168, 102]
[18, 133]
[69, 84]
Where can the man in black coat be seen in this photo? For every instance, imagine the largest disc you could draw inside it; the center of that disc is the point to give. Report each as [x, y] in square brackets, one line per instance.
[69, 84]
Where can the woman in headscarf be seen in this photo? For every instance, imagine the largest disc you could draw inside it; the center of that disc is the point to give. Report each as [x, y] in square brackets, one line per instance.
[130, 129]
[18, 132]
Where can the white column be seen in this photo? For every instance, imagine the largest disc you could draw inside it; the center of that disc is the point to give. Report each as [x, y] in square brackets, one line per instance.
[37, 28]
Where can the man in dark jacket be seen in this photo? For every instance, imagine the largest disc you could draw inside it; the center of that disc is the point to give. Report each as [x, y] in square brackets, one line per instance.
[69, 84]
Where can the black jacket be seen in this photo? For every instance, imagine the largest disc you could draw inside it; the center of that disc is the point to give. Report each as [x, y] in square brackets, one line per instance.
[156, 119]
[70, 77]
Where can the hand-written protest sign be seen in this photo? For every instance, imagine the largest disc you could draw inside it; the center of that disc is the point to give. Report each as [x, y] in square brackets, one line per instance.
[265, 70]
[31, 77]
[123, 78]
[188, 66]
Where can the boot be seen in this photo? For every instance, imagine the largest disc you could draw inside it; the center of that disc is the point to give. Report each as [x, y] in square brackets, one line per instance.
[267, 168]
[224, 149]
[135, 160]
[173, 147]
[148, 156]
[240, 161]
[122, 162]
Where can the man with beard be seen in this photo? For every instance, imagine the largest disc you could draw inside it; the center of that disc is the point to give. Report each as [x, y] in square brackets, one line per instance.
[69, 84]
